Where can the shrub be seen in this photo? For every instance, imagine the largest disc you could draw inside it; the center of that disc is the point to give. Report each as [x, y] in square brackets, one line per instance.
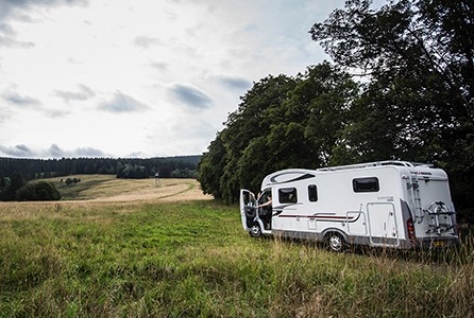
[70, 181]
[38, 191]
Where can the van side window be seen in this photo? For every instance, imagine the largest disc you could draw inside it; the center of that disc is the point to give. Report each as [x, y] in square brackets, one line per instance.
[287, 195]
[312, 193]
[365, 184]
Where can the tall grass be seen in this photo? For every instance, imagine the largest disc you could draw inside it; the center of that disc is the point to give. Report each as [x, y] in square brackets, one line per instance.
[192, 259]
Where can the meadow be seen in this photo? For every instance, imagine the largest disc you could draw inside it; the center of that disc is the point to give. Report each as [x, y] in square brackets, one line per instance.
[172, 255]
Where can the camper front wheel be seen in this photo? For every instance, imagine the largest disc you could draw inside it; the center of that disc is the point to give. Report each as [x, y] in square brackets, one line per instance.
[335, 242]
[255, 231]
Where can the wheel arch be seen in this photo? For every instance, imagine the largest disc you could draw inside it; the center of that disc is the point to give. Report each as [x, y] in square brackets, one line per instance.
[336, 240]
[259, 223]
[328, 231]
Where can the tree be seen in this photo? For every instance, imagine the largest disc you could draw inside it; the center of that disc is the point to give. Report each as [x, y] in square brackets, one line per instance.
[12, 184]
[418, 59]
[211, 168]
[253, 119]
[323, 98]
[39, 191]
[281, 122]
[419, 54]
[4, 186]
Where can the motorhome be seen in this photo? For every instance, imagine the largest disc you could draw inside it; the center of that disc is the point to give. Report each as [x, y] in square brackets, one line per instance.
[394, 204]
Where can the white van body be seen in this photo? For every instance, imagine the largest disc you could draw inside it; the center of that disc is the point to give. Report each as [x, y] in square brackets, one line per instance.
[392, 204]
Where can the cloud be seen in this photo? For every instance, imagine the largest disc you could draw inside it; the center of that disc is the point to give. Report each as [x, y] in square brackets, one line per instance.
[16, 151]
[84, 93]
[160, 66]
[7, 36]
[56, 152]
[122, 103]
[196, 129]
[190, 134]
[7, 41]
[88, 152]
[13, 8]
[7, 29]
[146, 42]
[173, 61]
[18, 10]
[234, 82]
[5, 114]
[190, 96]
[20, 100]
[25, 102]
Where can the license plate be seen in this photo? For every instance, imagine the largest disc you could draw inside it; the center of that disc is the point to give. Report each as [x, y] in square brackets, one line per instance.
[437, 244]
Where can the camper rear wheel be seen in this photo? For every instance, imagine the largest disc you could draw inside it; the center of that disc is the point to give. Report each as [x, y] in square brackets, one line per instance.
[335, 242]
[255, 231]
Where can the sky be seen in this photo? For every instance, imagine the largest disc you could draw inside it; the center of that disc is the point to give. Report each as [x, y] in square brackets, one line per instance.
[140, 78]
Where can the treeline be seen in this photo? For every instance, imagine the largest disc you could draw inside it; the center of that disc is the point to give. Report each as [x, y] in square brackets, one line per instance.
[166, 167]
[15, 173]
[415, 101]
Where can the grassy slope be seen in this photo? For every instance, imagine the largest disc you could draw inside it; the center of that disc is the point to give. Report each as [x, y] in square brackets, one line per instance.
[97, 186]
[192, 259]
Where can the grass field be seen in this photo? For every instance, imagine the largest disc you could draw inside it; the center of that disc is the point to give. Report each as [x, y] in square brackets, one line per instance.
[189, 257]
[101, 187]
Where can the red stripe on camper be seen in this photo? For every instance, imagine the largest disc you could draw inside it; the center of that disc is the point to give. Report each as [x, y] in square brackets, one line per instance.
[326, 217]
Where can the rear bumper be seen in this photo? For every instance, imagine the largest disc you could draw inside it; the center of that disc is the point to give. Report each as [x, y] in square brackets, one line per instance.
[437, 243]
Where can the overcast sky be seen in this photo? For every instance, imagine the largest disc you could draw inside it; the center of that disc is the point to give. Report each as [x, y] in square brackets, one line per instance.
[140, 78]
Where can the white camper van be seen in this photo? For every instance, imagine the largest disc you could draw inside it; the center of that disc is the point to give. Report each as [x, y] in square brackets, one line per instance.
[386, 204]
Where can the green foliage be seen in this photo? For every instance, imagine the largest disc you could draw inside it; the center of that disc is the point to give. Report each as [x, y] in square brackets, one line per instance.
[418, 102]
[183, 173]
[38, 191]
[192, 259]
[10, 185]
[211, 167]
[410, 51]
[35, 168]
[131, 171]
[281, 122]
[415, 102]
[73, 180]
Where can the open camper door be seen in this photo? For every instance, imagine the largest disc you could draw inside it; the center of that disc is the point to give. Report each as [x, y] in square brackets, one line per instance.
[248, 208]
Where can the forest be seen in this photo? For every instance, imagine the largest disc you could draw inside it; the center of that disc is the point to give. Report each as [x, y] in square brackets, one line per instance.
[14, 172]
[400, 87]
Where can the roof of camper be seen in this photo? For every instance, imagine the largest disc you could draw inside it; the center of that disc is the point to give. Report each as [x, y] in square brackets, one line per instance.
[372, 164]
[297, 174]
